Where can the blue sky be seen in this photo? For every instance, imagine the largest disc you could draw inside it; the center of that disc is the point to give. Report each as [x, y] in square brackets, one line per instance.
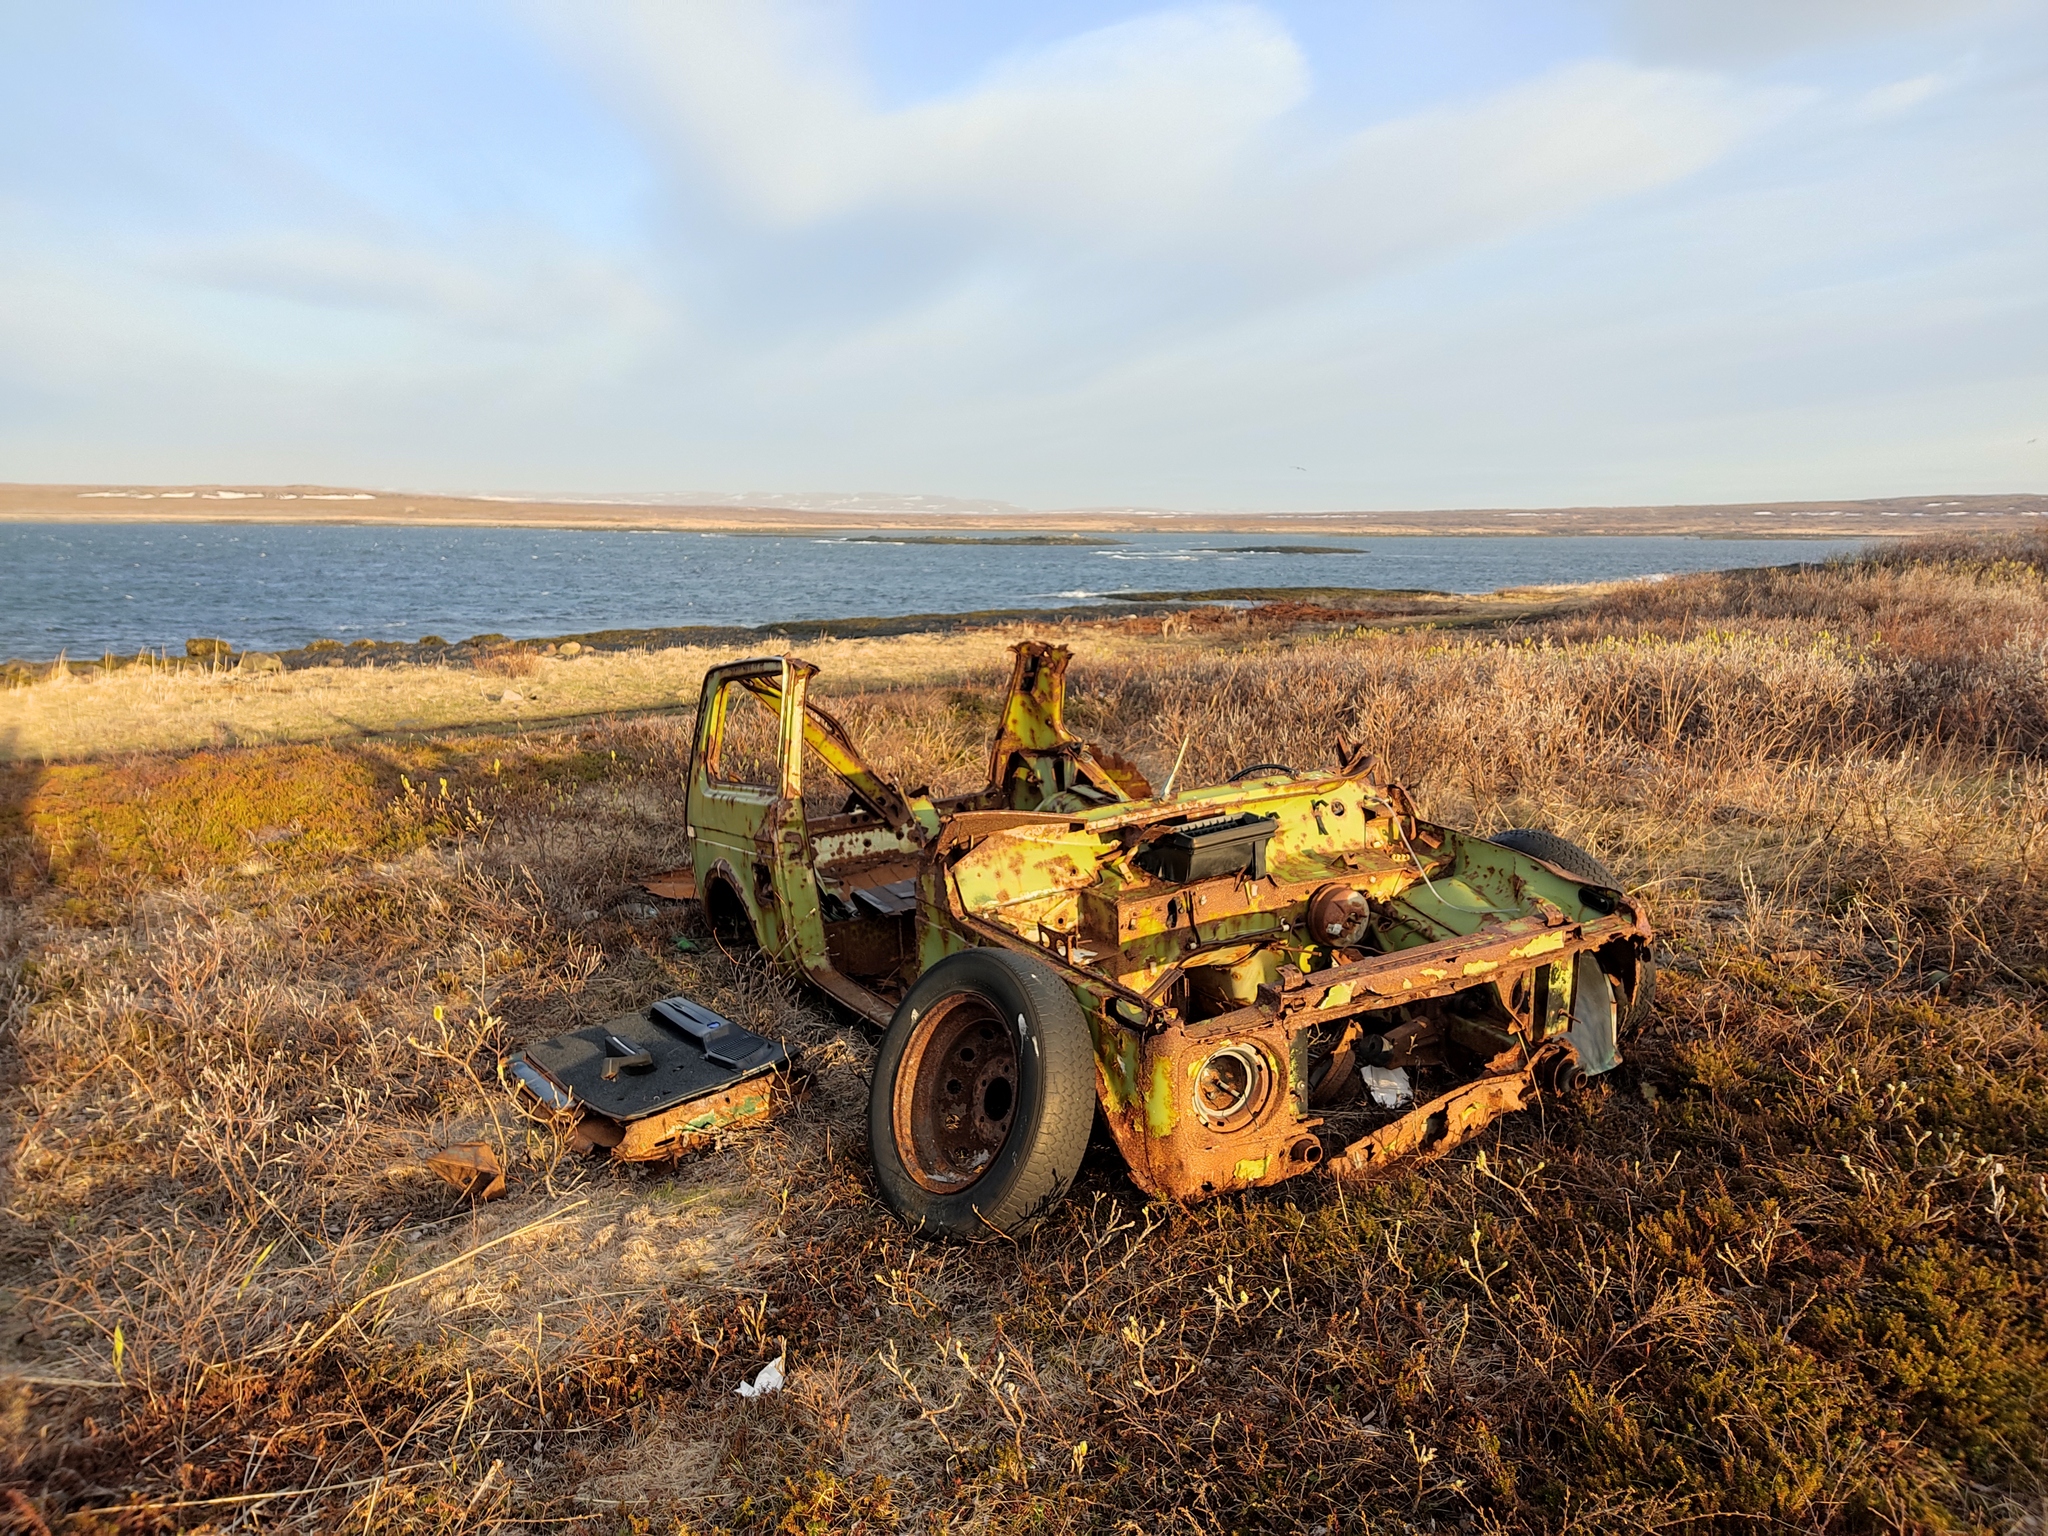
[1283, 256]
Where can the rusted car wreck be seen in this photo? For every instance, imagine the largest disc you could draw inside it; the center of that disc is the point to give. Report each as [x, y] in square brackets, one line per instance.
[1284, 972]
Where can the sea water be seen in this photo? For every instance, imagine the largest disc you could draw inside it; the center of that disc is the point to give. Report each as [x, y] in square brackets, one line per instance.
[88, 588]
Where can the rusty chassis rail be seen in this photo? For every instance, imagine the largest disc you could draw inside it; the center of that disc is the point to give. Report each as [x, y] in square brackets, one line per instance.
[1447, 1121]
[1419, 973]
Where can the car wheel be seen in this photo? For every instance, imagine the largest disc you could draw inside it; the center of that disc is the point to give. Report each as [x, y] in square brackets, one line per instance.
[1638, 989]
[1552, 849]
[983, 1095]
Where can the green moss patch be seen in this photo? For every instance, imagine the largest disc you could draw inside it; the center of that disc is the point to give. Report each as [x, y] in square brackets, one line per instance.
[100, 825]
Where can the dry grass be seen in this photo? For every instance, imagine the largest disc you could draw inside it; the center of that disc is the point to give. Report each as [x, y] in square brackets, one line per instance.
[512, 661]
[1785, 1270]
[75, 718]
[81, 712]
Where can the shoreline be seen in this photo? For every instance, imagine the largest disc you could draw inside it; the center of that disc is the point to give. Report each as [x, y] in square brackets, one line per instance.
[869, 532]
[1335, 604]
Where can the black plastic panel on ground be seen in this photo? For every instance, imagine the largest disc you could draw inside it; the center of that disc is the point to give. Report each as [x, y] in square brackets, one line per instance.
[680, 1070]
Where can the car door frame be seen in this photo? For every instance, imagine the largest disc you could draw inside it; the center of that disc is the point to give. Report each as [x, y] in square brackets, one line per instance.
[752, 842]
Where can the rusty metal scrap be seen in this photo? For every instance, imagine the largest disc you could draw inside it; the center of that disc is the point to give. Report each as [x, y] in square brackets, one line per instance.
[1436, 1127]
[472, 1167]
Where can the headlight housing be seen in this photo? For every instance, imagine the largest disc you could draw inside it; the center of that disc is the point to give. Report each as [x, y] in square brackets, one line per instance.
[1232, 1085]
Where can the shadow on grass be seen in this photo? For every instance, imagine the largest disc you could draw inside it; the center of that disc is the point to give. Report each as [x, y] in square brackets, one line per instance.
[20, 869]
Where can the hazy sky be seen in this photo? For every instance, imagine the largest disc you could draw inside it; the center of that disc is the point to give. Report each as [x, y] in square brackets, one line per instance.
[1292, 255]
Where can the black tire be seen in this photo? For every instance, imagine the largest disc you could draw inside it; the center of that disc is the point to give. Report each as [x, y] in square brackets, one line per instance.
[951, 1033]
[1570, 857]
[1552, 849]
[1635, 1007]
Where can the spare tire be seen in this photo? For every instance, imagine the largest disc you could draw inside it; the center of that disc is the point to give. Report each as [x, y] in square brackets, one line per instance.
[983, 1095]
[1639, 991]
[1552, 849]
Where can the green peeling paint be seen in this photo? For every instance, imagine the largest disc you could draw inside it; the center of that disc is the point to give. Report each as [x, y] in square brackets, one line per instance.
[1160, 1117]
[712, 1120]
[1116, 1054]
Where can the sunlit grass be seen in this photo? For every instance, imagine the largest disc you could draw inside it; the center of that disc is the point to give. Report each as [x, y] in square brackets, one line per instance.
[78, 711]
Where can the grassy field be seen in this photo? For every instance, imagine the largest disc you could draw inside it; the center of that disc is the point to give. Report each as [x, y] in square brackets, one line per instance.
[1785, 1270]
[142, 709]
[79, 710]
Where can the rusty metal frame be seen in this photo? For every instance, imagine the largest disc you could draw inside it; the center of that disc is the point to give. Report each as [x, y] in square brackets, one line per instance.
[1033, 726]
[824, 735]
[1146, 1051]
[692, 1126]
[1427, 971]
[1432, 1129]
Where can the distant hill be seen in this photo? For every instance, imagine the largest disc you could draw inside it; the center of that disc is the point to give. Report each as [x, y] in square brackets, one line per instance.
[866, 511]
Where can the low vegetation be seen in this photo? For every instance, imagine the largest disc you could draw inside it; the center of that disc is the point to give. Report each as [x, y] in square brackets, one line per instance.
[67, 710]
[1785, 1270]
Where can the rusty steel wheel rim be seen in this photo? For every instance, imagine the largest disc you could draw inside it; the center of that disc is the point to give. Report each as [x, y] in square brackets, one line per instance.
[956, 1093]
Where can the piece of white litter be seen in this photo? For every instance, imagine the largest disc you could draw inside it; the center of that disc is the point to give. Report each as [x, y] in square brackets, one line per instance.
[1388, 1086]
[770, 1380]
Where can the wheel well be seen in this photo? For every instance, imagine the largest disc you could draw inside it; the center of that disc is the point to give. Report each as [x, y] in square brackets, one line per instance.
[725, 909]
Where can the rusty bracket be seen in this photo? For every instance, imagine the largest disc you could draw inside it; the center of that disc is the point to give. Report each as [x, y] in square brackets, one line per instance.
[1423, 971]
[472, 1167]
[1432, 1129]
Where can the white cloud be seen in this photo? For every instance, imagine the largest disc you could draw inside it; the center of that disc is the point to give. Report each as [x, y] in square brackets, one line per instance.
[1900, 96]
[1728, 32]
[1537, 152]
[1174, 136]
[1131, 122]
[526, 286]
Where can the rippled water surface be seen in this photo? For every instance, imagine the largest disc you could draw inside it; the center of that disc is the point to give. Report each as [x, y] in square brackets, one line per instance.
[88, 588]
